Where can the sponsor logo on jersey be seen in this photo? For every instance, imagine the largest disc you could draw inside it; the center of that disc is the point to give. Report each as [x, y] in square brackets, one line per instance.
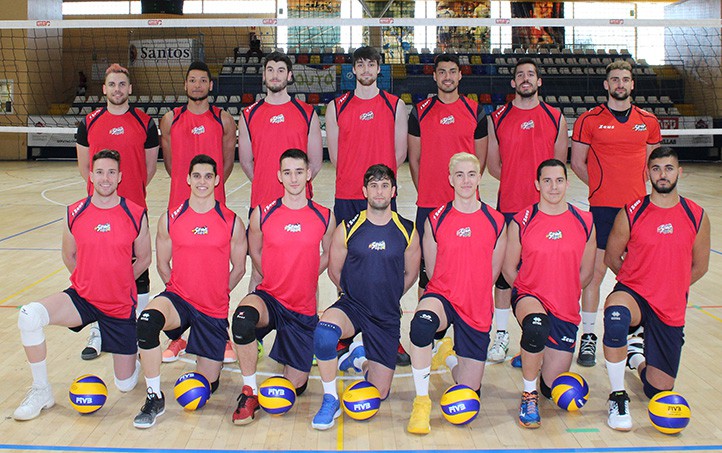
[200, 230]
[634, 206]
[293, 228]
[117, 131]
[278, 119]
[378, 245]
[198, 130]
[103, 228]
[447, 120]
[639, 127]
[77, 209]
[527, 213]
[177, 211]
[425, 103]
[500, 111]
[94, 113]
[606, 126]
[666, 228]
[554, 235]
[527, 125]
[368, 116]
[438, 212]
[464, 232]
[269, 206]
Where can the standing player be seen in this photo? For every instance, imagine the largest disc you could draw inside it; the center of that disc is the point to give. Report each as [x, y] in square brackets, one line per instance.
[101, 234]
[197, 128]
[522, 134]
[457, 293]
[610, 145]
[374, 260]
[549, 259]
[440, 127]
[283, 239]
[194, 246]
[134, 135]
[364, 127]
[658, 247]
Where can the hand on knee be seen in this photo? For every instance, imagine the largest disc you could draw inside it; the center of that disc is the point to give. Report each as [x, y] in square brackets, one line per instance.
[617, 319]
[150, 324]
[424, 325]
[535, 329]
[244, 324]
[31, 321]
[325, 339]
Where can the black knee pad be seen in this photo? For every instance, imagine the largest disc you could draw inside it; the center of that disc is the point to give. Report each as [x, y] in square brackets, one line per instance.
[501, 283]
[301, 389]
[617, 319]
[215, 384]
[244, 323]
[142, 283]
[148, 328]
[424, 325]
[649, 389]
[534, 332]
[545, 389]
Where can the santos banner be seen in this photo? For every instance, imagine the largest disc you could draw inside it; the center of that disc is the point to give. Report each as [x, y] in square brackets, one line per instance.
[162, 52]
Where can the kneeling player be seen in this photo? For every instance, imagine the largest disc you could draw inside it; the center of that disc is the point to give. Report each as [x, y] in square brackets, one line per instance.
[549, 259]
[101, 233]
[457, 293]
[200, 237]
[283, 241]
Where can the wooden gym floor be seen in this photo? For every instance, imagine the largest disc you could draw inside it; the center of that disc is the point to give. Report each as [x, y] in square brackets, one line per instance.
[32, 196]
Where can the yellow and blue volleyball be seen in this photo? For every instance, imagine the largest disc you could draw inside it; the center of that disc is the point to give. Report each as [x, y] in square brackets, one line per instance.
[460, 404]
[87, 394]
[192, 390]
[570, 391]
[361, 400]
[669, 412]
[276, 395]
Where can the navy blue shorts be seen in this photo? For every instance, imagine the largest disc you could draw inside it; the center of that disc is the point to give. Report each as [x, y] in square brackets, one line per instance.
[421, 215]
[562, 335]
[118, 336]
[381, 339]
[293, 345]
[603, 222]
[345, 210]
[208, 336]
[468, 341]
[662, 343]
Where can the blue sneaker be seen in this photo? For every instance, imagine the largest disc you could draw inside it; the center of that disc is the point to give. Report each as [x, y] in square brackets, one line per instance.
[328, 413]
[516, 361]
[355, 351]
[529, 410]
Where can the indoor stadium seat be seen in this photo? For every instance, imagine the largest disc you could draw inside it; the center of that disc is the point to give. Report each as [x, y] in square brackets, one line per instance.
[233, 111]
[465, 69]
[260, 96]
[418, 97]
[303, 59]
[510, 97]
[247, 99]
[498, 98]
[428, 69]
[406, 97]
[485, 98]
[221, 99]
[473, 97]
[313, 98]
[300, 96]
[234, 100]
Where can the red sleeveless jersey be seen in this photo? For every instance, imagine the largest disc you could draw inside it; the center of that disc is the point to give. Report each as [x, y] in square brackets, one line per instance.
[444, 129]
[658, 264]
[463, 273]
[291, 257]
[201, 257]
[274, 129]
[190, 135]
[130, 134]
[526, 139]
[365, 137]
[617, 153]
[103, 273]
[552, 247]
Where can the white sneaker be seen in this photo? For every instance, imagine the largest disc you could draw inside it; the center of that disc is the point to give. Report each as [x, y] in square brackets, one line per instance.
[497, 353]
[37, 399]
[619, 416]
[92, 349]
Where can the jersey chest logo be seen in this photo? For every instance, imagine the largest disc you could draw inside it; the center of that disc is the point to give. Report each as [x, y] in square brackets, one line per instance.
[117, 131]
[554, 235]
[606, 126]
[200, 230]
[527, 125]
[278, 119]
[666, 228]
[447, 120]
[293, 228]
[378, 245]
[367, 116]
[198, 130]
[464, 232]
[639, 127]
[103, 228]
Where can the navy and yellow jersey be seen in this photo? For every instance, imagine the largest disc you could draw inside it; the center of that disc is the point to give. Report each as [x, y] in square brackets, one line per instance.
[373, 273]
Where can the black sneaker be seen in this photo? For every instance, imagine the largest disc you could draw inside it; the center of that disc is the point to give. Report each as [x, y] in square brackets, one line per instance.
[402, 357]
[588, 350]
[154, 407]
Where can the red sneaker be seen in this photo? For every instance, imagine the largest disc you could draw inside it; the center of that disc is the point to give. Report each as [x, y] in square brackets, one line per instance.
[247, 406]
[175, 349]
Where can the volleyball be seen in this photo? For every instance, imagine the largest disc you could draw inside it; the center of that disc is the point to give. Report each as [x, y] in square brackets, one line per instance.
[192, 391]
[570, 391]
[361, 400]
[669, 412]
[460, 404]
[276, 395]
[87, 394]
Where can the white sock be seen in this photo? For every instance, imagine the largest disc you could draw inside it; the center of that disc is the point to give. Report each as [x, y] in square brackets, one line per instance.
[589, 318]
[421, 380]
[359, 362]
[529, 386]
[153, 384]
[451, 362]
[501, 317]
[251, 382]
[143, 300]
[616, 375]
[636, 360]
[39, 371]
[330, 388]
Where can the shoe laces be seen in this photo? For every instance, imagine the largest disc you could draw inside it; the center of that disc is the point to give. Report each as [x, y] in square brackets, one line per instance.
[34, 393]
[530, 400]
[176, 346]
[588, 346]
[328, 406]
[242, 398]
[620, 404]
[150, 400]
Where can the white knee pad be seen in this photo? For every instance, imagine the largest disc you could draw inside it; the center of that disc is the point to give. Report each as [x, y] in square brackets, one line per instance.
[126, 385]
[143, 300]
[33, 317]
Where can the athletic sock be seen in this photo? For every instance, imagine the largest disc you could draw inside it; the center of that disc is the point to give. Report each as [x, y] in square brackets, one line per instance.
[153, 384]
[616, 375]
[589, 318]
[501, 318]
[330, 388]
[529, 386]
[39, 371]
[251, 382]
[421, 380]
